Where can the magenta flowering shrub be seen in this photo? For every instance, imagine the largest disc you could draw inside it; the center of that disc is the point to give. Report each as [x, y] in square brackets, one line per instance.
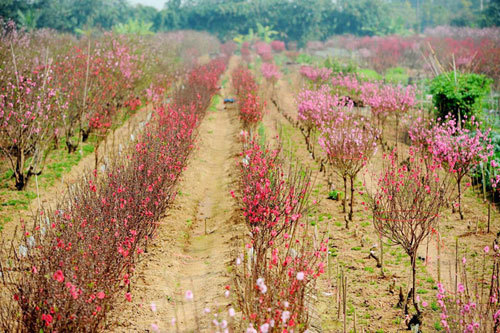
[30, 108]
[272, 200]
[96, 78]
[264, 50]
[274, 280]
[407, 202]
[318, 108]
[250, 105]
[79, 257]
[277, 296]
[386, 100]
[347, 85]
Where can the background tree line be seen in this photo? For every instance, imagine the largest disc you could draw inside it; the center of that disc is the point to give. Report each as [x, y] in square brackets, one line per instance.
[297, 20]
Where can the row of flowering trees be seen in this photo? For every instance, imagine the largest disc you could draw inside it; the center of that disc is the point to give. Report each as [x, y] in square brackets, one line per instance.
[56, 88]
[349, 141]
[251, 106]
[406, 198]
[71, 264]
[384, 100]
[276, 277]
[474, 50]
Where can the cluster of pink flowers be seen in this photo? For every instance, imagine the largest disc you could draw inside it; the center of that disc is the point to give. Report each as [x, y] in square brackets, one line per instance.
[458, 146]
[282, 262]
[319, 107]
[278, 46]
[316, 75]
[250, 105]
[271, 72]
[385, 100]
[264, 50]
[475, 308]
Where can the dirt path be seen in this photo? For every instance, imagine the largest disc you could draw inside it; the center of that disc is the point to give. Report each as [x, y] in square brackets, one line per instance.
[195, 242]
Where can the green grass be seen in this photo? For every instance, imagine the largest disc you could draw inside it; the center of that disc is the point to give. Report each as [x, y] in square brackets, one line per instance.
[397, 75]
[370, 269]
[214, 103]
[262, 135]
[369, 74]
[62, 163]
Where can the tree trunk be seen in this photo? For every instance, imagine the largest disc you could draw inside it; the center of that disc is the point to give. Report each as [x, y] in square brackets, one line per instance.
[345, 194]
[413, 257]
[85, 134]
[21, 179]
[352, 199]
[460, 199]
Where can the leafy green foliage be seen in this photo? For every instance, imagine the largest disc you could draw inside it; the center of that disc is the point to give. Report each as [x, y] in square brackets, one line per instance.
[461, 96]
[134, 27]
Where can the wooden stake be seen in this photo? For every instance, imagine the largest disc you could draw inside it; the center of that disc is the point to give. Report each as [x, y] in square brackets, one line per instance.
[344, 301]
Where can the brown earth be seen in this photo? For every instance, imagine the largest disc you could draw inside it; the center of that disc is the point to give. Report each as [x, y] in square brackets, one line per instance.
[372, 299]
[196, 242]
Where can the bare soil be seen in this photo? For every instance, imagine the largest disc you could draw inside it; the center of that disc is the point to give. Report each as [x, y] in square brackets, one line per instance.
[196, 242]
[371, 298]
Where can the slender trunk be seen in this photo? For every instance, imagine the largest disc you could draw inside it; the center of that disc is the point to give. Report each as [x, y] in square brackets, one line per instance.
[345, 194]
[413, 257]
[381, 244]
[352, 198]
[460, 199]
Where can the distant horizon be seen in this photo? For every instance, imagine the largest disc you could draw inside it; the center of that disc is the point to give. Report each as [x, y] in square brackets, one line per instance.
[158, 4]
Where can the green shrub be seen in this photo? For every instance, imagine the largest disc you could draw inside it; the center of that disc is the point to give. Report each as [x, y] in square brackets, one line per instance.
[462, 96]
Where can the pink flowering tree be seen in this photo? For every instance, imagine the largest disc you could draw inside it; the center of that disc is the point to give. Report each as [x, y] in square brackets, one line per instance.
[317, 107]
[278, 46]
[348, 146]
[460, 149]
[270, 72]
[29, 109]
[406, 204]
[387, 100]
[317, 76]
